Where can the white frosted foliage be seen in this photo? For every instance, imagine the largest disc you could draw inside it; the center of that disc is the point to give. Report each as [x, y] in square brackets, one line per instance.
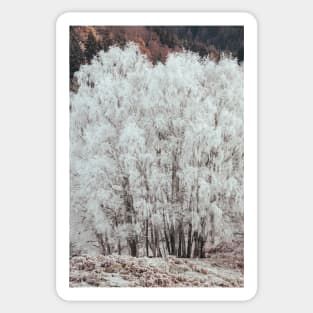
[156, 153]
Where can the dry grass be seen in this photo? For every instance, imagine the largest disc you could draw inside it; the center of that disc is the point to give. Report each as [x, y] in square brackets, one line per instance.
[221, 269]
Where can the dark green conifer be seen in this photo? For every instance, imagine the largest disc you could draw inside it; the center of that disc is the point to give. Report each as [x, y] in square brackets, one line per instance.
[91, 47]
[76, 54]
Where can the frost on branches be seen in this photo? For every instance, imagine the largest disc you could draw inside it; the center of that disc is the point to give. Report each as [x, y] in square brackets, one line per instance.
[156, 155]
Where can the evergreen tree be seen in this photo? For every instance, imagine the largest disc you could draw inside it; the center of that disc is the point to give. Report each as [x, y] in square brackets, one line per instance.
[106, 40]
[240, 55]
[91, 47]
[76, 54]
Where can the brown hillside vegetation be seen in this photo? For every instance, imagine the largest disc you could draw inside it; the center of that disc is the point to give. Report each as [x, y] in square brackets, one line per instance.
[156, 42]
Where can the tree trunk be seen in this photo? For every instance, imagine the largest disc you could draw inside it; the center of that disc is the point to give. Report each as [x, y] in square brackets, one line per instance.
[157, 243]
[130, 216]
[179, 245]
[167, 242]
[181, 242]
[183, 253]
[101, 242]
[152, 242]
[172, 240]
[107, 244]
[212, 231]
[159, 252]
[147, 237]
[189, 244]
[196, 249]
[174, 168]
[119, 248]
[133, 247]
[201, 247]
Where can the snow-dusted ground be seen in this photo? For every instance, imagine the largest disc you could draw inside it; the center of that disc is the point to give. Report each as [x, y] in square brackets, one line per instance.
[220, 270]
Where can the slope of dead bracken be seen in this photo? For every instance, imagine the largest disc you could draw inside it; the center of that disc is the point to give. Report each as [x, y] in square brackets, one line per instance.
[222, 269]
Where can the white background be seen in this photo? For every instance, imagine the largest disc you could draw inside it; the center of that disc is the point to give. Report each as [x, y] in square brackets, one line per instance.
[27, 163]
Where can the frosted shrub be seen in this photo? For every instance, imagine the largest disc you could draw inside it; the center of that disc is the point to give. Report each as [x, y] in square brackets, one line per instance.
[156, 153]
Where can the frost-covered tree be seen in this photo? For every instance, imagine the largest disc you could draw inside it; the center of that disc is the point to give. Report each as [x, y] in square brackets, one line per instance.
[156, 153]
